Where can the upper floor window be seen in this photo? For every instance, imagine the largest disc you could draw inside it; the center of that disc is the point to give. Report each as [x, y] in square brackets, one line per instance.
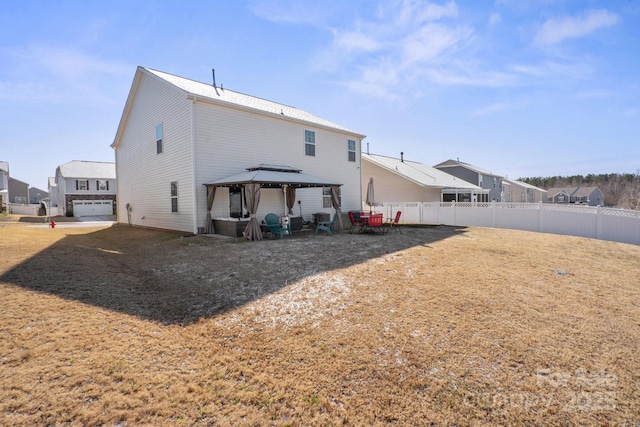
[102, 185]
[351, 150]
[309, 143]
[159, 138]
[82, 184]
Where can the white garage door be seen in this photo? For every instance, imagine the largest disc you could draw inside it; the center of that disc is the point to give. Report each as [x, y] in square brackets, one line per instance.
[92, 207]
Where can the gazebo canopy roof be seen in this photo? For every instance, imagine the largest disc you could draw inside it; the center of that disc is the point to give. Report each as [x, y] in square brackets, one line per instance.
[273, 176]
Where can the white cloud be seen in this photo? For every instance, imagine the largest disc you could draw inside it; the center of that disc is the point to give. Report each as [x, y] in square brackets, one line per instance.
[291, 12]
[554, 31]
[490, 109]
[355, 41]
[494, 19]
[395, 47]
[572, 69]
[450, 76]
[54, 74]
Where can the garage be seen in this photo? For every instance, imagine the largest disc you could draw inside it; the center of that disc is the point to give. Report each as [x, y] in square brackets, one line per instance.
[92, 207]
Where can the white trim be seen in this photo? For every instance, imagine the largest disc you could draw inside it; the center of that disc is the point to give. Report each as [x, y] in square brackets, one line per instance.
[194, 191]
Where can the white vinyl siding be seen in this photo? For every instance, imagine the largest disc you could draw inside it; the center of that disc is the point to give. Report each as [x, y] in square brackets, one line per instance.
[390, 187]
[229, 140]
[143, 176]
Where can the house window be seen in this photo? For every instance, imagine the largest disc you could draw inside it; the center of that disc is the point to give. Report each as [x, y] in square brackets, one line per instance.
[351, 150]
[309, 143]
[159, 138]
[174, 196]
[560, 199]
[102, 185]
[82, 184]
[326, 197]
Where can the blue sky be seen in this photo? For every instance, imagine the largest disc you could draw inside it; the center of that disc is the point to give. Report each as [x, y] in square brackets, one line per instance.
[519, 87]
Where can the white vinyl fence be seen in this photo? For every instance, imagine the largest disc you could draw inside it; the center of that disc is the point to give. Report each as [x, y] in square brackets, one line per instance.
[617, 225]
[22, 209]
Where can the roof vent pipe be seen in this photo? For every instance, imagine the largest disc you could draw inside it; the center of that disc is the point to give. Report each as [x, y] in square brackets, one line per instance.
[213, 71]
[402, 156]
[367, 148]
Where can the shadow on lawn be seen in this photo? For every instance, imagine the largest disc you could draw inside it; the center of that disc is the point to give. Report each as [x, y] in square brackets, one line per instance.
[173, 279]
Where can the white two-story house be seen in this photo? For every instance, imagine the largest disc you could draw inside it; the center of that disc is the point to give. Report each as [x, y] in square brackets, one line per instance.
[177, 135]
[86, 188]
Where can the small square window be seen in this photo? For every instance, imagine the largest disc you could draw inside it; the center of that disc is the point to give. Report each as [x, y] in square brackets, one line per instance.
[102, 185]
[82, 184]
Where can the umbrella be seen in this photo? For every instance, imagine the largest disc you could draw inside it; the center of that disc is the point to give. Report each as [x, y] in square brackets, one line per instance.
[370, 197]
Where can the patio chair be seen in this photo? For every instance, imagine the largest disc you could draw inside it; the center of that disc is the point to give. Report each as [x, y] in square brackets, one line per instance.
[356, 222]
[376, 225]
[393, 223]
[273, 222]
[326, 225]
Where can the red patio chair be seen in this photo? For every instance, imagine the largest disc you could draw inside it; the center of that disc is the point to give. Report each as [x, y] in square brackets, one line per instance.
[376, 224]
[356, 222]
[394, 223]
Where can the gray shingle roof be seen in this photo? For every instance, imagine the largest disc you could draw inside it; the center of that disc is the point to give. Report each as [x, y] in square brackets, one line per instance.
[452, 163]
[227, 96]
[88, 170]
[419, 173]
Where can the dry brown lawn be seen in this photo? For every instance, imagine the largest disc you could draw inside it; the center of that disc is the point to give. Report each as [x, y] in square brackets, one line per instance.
[125, 326]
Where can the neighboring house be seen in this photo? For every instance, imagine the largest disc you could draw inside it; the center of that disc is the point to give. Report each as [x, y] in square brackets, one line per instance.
[53, 191]
[521, 192]
[176, 135]
[591, 196]
[4, 186]
[36, 195]
[400, 180]
[86, 188]
[474, 175]
[18, 191]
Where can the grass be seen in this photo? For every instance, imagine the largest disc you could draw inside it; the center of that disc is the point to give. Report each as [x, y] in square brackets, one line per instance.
[126, 326]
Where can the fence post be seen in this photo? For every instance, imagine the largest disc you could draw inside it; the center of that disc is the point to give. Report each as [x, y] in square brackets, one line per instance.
[598, 233]
[493, 213]
[540, 217]
[455, 217]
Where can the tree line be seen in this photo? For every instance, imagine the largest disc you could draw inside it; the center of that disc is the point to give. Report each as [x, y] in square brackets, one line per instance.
[620, 190]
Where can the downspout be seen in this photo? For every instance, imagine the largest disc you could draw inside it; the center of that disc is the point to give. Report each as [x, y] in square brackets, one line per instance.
[360, 182]
[194, 192]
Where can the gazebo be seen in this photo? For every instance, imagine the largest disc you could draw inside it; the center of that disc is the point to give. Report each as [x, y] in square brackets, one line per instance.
[269, 176]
